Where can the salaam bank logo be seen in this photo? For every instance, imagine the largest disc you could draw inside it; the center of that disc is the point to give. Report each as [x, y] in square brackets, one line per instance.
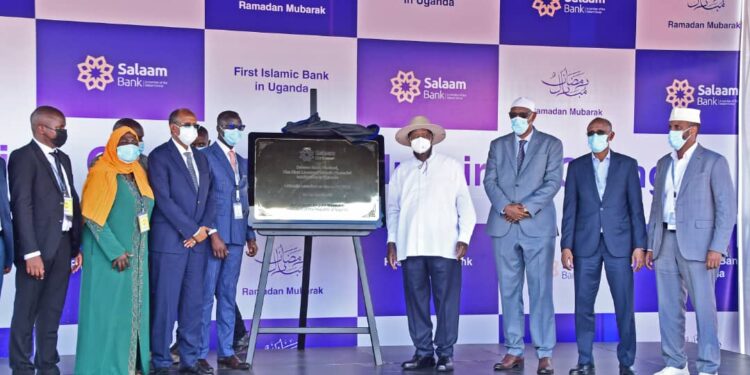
[406, 87]
[548, 8]
[96, 74]
[681, 93]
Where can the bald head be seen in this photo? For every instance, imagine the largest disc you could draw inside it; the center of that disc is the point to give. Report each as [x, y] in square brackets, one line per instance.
[44, 115]
[178, 115]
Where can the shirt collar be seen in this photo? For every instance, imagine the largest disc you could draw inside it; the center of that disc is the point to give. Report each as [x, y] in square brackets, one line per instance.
[45, 149]
[606, 158]
[688, 153]
[181, 149]
[223, 146]
[528, 138]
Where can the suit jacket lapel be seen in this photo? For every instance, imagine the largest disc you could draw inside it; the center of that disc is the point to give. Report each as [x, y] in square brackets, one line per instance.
[531, 150]
[591, 173]
[661, 181]
[180, 161]
[223, 160]
[509, 146]
[614, 163]
[45, 162]
[693, 167]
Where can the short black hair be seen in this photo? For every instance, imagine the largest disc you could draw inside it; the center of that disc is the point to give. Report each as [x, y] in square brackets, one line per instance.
[226, 117]
[177, 112]
[44, 110]
[202, 131]
[603, 121]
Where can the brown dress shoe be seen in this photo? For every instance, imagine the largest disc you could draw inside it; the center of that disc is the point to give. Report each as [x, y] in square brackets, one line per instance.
[509, 362]
[233, 363]
[545, 366]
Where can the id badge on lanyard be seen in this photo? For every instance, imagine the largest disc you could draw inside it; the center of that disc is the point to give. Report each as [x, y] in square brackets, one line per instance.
[237, 206]
[68, 206]
[143, 222]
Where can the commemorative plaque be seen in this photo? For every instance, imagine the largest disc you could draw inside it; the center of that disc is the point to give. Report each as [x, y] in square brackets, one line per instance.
[300, 180]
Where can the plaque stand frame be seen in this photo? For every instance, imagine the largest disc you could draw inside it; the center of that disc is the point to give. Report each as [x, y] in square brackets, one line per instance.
[302, 330]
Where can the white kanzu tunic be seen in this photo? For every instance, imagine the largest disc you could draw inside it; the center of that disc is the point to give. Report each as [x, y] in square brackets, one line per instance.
[429, 208]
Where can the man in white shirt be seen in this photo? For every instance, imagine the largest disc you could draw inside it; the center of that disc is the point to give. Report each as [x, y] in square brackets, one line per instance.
[690, 225]
[430, 221]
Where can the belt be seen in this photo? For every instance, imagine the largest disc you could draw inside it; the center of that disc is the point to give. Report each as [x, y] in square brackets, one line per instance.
[666, 226]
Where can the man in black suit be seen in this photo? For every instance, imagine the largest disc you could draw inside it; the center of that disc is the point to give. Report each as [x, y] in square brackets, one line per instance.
[47, 226]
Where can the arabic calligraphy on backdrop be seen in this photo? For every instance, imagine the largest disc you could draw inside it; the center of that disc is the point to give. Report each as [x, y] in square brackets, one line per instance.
[706, 4]
[285, 261]
[281, 344]
[567, 83]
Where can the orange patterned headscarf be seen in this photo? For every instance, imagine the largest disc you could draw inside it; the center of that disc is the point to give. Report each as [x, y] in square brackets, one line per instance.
[101, 184]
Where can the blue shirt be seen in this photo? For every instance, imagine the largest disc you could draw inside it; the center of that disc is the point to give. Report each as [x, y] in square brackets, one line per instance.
[601, 170]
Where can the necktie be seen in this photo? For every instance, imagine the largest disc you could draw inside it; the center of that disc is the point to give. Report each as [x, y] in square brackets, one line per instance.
[191, 168]
[233, 160]
[521, 154]
[60, 177]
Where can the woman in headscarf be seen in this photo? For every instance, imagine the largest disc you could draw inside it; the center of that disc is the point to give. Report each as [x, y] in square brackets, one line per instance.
[113, 316]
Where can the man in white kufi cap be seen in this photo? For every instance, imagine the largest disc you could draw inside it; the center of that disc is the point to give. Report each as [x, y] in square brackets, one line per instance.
[691, 221]
[430, 220]
[524, 170]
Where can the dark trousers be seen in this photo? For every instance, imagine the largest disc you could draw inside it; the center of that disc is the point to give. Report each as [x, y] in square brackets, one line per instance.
[39, 305]
[177, 296]
[239, 325]
[587, 275]
[441, 278]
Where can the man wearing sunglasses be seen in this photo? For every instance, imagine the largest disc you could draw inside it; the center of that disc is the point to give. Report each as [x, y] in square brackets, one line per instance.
[524, 170]
[181, 221]
[603, 223]
[229, 194]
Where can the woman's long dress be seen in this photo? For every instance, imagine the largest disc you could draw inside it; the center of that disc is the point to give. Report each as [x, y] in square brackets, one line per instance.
[113, 320]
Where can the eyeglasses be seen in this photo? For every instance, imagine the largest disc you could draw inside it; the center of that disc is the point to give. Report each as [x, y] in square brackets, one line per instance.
[188, 125]
[519, 114]
[598, 132]
[234, 126]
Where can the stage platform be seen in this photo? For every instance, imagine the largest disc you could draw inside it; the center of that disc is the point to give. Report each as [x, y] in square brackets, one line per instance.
[469, 360]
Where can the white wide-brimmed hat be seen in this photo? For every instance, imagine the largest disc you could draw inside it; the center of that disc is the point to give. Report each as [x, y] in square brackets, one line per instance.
[685, 114]
[420, 122]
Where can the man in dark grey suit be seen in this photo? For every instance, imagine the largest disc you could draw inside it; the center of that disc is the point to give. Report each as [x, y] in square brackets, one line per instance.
[523, 174]
[692, 218]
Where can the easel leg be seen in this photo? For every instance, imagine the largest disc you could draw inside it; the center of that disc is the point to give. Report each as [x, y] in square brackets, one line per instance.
[305, 291]
[368, 301]
[259, 297]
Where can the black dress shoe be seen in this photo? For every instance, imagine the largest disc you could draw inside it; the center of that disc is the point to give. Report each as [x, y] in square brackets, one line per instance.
[204, 367]
[626, 370]
[418, 363]
[444, 364]
[583, 370]
[160, 371]
[194, 370]
[174, 352]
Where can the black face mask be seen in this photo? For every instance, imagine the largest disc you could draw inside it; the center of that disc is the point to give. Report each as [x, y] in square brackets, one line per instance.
[61, 136]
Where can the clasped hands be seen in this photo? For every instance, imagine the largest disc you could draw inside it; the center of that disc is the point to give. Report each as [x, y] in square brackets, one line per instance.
[515, 212]
[197, 238]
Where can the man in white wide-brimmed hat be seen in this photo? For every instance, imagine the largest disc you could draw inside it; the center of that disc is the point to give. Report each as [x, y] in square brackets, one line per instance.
[430, 220]
[692, 217]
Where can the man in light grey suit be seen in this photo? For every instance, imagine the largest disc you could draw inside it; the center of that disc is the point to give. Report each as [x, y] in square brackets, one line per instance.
[524, 171]
[692, 217]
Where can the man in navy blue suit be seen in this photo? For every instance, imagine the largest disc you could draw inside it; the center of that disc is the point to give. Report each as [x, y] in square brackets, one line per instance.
[6, 225]
[229, 194]
[182, 220]
[603, 223]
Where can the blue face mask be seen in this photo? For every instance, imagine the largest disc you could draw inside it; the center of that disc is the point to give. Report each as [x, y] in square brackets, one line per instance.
[128, 153]
[232, 136]
[598, 143]
[141, 147]
[676, 140]
[519, 125]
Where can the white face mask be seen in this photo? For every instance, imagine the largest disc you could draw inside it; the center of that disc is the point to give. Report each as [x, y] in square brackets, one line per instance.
[420, 145]
[188, 135]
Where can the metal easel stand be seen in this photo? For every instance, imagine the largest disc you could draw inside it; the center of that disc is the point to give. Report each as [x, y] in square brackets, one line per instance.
[303, 329]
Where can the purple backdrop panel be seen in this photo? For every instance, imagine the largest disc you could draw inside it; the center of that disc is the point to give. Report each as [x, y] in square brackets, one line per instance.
[455, 85]
[573, 23]
[17, 8]
[706, 80]
[111, 71]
